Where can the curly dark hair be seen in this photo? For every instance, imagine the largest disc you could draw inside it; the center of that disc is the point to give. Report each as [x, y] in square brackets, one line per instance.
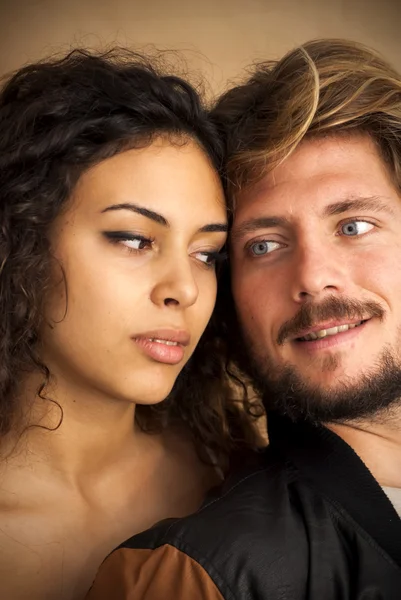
[57, 118]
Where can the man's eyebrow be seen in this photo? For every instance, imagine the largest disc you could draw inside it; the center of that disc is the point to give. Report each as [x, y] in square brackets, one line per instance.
[253, 225]
[374, 203]
[140, 210]
[154, 216]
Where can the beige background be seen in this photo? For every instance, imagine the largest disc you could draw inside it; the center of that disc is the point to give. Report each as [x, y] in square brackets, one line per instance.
[218, 37]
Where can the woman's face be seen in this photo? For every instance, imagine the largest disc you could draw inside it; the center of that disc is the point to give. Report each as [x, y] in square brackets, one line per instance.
[137, 245]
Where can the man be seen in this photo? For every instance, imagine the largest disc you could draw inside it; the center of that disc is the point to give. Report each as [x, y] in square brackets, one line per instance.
[314, 174]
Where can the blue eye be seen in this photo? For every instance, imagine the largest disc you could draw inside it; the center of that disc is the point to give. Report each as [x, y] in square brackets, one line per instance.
[354, 228]
[263, 247]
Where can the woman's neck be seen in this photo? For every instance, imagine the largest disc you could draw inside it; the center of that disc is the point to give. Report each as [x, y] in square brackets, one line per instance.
[73, 432]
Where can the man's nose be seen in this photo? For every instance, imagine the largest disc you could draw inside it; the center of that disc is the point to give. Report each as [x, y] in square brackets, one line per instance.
[319, 270]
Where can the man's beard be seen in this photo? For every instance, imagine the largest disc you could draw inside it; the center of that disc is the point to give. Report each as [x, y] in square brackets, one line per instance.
[285, 390]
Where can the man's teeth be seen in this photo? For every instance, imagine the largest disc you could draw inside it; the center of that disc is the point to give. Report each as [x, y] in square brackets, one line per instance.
[167, 342]
[318, 335]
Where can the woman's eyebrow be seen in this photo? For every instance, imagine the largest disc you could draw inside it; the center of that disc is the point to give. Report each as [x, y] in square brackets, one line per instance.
[145, 212]
[158, 218]
[214, 227]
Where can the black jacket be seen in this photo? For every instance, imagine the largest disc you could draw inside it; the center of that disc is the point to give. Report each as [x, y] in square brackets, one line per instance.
[309, 522]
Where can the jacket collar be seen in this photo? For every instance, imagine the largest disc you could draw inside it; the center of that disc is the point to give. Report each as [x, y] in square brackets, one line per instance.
[332, 467]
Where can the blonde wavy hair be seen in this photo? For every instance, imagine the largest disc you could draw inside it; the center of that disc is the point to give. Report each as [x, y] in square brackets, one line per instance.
[324, 87]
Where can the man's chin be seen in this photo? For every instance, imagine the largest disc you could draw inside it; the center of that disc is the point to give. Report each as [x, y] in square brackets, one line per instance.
[331, 395]
[332, 382]
[325, 363]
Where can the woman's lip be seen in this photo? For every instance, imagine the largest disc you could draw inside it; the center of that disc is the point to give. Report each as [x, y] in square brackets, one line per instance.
[180, 336]
[159, 351]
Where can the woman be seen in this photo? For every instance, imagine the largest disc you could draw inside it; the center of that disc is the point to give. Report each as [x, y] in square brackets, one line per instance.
[112, 218]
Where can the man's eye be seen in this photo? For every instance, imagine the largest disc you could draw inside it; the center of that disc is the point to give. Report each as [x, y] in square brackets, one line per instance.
[263, 247]
[354, 228]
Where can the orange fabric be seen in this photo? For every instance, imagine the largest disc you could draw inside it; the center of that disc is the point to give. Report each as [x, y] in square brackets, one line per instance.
[162, 574]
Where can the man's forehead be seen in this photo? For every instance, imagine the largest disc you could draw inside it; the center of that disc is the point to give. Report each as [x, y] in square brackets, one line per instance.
[319, 173]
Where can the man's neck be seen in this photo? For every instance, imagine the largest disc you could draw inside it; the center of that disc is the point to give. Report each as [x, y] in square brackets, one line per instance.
[378, 444]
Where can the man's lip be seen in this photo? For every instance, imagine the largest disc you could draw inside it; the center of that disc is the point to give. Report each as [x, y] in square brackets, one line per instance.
[179, 336]
[327, 325]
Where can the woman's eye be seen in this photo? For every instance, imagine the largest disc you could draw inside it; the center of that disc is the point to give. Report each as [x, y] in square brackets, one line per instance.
[132, 242]
[137, 243]
[354, 228]
[208, 258]
[263, 247]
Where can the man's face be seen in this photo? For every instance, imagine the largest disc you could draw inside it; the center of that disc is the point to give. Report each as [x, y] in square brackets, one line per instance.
[316, 255]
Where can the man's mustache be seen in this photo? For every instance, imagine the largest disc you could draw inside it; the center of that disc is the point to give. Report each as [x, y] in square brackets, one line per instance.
[332, 308]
